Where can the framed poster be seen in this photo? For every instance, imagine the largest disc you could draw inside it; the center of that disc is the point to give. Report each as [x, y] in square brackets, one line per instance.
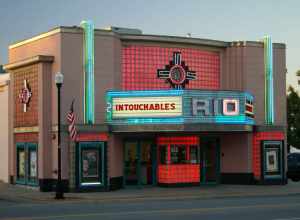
[272, 163]
[90, 163]
[272, 155]
[33, 164]
[21, 162]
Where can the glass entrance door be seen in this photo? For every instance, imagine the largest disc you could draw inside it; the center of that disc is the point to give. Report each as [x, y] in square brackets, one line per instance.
[210, 160]
[131, 161]
[146, 163]
[138, 163]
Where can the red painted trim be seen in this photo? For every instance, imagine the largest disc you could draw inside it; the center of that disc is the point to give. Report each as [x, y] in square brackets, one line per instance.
[27, 137]
[92, 137]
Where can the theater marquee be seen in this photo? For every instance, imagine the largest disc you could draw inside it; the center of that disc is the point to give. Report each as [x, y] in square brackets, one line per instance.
[179, 106]
[146, 107]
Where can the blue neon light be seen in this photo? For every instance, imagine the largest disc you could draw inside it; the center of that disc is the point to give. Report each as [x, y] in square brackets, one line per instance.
[187, 116]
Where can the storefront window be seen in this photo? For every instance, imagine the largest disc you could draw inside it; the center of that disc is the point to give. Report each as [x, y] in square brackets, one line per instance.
[178, 154]
[163, 154]
[194, 154]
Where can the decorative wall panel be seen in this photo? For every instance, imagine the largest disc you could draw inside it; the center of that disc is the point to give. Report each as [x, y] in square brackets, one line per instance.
[140, 64]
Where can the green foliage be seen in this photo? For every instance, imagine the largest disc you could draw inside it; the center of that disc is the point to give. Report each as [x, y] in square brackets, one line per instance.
[293, 118]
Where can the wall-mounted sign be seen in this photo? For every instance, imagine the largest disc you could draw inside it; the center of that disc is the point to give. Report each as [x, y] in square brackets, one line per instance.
[212, 107]
[176, 73]
[146, 107]
[179, 106]
[25, 95]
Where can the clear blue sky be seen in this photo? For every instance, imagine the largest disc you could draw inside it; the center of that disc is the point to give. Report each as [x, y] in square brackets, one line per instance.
[226, 20]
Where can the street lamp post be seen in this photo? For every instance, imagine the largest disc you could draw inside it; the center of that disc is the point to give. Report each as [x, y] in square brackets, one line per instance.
[59, 78]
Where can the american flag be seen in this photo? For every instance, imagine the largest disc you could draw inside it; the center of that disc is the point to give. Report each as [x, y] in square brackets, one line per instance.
[71, 120]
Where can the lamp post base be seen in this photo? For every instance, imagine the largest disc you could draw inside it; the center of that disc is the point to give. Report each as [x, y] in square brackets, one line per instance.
[59, 194]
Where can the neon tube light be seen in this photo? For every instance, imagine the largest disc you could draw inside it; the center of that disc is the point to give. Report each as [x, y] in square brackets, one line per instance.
[269, 87]
[89, 90]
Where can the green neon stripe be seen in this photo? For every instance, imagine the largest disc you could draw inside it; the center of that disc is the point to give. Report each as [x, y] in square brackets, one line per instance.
[89, 90]
[269, 88]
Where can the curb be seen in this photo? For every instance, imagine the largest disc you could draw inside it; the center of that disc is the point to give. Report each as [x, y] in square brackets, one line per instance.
[146, 198]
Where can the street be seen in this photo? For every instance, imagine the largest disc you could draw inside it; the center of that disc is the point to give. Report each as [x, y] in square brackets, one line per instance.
[257, 207]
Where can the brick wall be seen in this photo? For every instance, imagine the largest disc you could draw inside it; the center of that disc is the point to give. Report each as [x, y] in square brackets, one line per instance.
[26, 137]
[29, 118]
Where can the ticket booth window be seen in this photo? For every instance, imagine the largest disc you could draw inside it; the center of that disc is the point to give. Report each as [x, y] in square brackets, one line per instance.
[178, 154]
[194, 154]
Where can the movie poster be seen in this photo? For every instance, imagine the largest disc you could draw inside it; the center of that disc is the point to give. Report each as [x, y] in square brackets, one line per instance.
[272, 160]
[21, 163]
[90, 163]
[33, 164]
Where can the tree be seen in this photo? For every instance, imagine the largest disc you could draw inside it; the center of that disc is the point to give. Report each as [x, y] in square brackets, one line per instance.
[293, 118]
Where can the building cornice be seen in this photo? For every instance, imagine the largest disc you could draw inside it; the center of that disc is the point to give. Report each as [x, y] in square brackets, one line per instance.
[146, 38]
[29, 61]
[174, 39]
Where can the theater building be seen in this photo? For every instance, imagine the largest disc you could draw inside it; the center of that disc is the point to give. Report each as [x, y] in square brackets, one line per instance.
[150, 110]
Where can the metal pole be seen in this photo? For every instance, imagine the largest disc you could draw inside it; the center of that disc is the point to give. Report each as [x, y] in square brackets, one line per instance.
[59, 190]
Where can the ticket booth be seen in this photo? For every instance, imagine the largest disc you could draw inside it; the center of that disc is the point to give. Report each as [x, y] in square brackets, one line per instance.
[188, 160]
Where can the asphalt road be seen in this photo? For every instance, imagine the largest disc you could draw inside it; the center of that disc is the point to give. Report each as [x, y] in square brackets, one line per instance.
[273, 208]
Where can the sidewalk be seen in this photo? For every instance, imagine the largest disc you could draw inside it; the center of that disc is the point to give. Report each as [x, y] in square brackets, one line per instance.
[26, 194]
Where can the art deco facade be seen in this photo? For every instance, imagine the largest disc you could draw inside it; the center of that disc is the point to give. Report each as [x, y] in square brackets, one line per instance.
[150, 110]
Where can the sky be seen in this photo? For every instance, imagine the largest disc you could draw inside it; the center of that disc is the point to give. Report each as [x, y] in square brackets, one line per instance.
[225, 20]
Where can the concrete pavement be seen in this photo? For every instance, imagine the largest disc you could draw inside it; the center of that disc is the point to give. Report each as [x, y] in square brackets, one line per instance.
[21, 193]
[246, 208]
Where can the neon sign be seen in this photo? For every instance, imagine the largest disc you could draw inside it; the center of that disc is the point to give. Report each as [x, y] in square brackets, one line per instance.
[230, 107]
[269, 85]
[179, 106]
[89, 90]
[146, 107]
